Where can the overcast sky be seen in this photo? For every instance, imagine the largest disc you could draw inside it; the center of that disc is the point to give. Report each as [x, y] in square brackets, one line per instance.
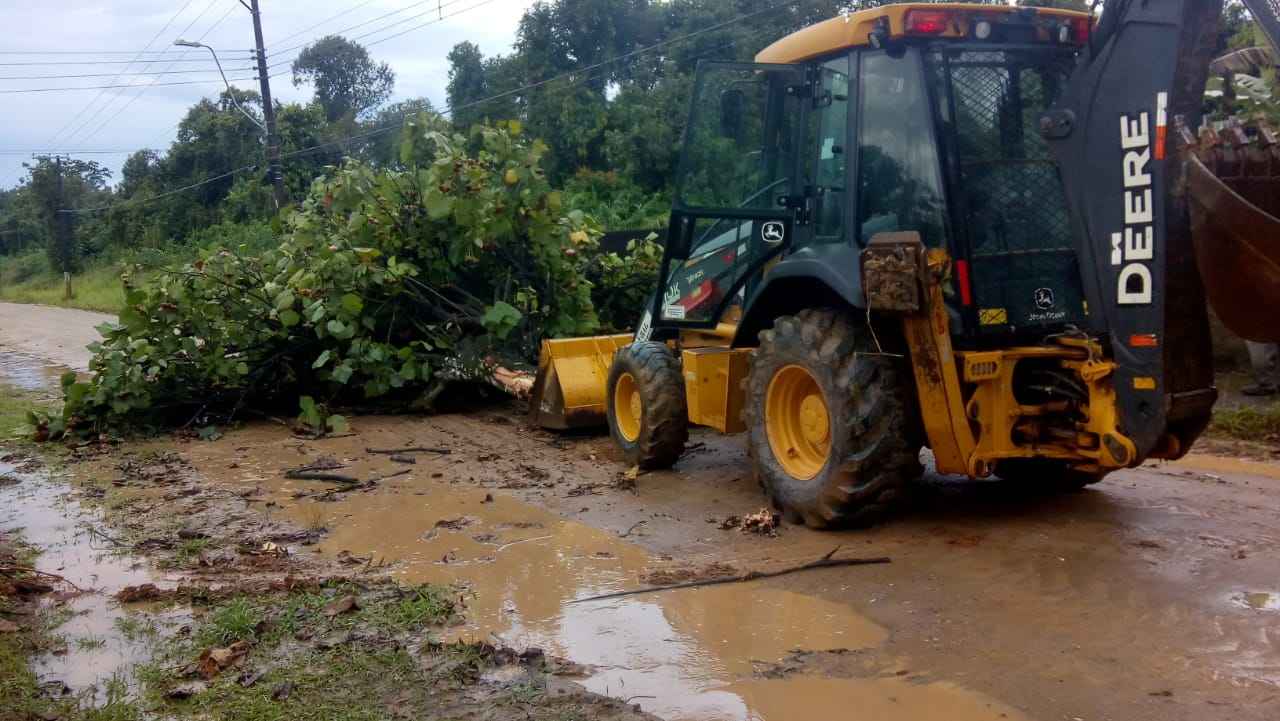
[114, 120]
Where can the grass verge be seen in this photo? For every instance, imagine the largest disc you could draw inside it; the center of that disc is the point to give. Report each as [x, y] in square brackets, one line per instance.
[1249, 423]
[96, 288]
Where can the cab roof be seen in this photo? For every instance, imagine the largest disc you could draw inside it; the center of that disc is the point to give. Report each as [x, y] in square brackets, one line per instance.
[854, 29]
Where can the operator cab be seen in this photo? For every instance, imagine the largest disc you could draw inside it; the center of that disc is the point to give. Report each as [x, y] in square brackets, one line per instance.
[901, 118]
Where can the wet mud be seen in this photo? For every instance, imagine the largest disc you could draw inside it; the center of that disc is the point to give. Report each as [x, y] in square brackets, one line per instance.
[100, 641]
[999, 600]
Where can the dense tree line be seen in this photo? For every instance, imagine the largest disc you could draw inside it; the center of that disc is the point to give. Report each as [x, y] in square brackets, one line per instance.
[604, 83]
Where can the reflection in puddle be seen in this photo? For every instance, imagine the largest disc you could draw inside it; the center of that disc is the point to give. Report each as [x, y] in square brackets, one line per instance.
[683, 654]
[29, 373]
[103, 641]
[1257, 600]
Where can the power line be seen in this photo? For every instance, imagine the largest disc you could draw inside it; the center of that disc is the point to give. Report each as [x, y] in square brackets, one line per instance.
[111, 87]
[74, 152]
[86, 138]
[103, 90]
[439, 8]
[327, 20]
[346, 30]
[93, 52]
[126, 62]
[140, 201]
[107, 75]
[450, 109]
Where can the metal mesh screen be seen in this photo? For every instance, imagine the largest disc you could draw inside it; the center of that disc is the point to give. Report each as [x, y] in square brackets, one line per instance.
[1011, 205]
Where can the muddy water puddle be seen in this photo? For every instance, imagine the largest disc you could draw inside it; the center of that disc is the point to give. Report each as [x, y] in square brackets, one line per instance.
[102, 642]
[685, 654]
[28, 372]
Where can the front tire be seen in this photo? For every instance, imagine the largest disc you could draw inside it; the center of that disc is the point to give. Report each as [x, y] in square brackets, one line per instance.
[646, 406]
[832, 426]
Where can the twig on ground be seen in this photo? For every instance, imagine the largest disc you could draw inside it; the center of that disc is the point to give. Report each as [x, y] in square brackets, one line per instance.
[375, 479]
[634, 526]
[317, 476]
[414, 449]
[825, 562]
[95, 531]
[44, 574]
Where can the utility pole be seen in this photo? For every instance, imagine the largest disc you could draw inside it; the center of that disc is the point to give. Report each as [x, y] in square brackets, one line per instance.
[275, 169]
[63, 242]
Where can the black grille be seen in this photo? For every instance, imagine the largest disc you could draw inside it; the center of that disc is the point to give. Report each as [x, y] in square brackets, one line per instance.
[1011, 210]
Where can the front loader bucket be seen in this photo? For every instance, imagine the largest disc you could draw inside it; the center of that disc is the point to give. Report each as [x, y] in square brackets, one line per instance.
[1233, 184]
[569, 391]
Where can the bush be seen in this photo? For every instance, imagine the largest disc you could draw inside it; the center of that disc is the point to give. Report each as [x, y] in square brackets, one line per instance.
[386, 283]
[22, 268]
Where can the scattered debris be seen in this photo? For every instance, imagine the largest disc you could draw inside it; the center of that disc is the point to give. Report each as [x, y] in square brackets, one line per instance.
[296, 475]
[139, 594]
[763, 522]
[214, 661]
[412, 449]
[825, 562]
[186, 690]
[342, 605]
[730, 523]
[684, 574]
[410, 460]
[456, 524]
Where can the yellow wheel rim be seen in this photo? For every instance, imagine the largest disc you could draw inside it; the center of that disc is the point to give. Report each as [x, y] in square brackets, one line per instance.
[797, 422]
[627, 407]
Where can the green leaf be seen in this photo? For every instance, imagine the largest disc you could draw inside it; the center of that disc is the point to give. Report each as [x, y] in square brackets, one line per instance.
[500, 319]
[208, 433]
[133, 320]
[338, 329]
[319, 363]
[342, 373]
[289, 318]
[284, 299]
[438, 204]
[337, 424]
[352, 303]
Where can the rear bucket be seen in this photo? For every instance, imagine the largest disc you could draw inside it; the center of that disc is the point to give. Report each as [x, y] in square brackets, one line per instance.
[1236, 235]
[570, 389]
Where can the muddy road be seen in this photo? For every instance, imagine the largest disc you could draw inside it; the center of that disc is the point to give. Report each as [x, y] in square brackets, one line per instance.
[1153, 595]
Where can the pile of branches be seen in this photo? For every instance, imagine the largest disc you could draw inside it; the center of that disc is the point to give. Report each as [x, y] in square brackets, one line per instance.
[386, 284]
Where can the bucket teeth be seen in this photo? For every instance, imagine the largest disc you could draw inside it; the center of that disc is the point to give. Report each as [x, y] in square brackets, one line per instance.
[1234, 185]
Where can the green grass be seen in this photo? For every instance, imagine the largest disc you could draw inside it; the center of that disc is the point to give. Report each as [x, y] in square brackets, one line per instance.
[235, 621]
[15, 404]
[1250, 423]
[27, 280]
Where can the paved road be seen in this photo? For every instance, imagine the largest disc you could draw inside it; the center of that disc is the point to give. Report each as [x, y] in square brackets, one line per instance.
[57, 335]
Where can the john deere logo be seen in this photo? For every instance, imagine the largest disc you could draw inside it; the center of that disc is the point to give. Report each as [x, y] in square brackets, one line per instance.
[773, 231]
[1043, 298]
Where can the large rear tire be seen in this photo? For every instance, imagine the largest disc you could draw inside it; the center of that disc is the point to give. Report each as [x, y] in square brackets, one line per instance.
[832, 427]
[646, 406]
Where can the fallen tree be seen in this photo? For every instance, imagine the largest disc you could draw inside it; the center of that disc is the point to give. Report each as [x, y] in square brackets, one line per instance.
[387, 284]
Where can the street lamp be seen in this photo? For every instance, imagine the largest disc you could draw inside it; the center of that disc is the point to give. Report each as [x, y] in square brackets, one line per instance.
[191, 44]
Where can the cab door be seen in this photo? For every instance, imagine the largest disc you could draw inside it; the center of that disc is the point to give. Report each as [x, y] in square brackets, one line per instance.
[737, 204]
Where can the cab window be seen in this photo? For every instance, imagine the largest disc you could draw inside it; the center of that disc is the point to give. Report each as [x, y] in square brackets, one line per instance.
[899, 183]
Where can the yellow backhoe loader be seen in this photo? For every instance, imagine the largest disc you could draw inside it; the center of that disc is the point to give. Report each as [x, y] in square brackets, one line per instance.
[983, 229]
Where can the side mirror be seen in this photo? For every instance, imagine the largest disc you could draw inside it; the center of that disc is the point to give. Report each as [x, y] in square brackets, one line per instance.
[732, 104]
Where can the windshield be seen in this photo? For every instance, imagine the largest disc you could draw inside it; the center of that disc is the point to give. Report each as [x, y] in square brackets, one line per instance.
[737, 150]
